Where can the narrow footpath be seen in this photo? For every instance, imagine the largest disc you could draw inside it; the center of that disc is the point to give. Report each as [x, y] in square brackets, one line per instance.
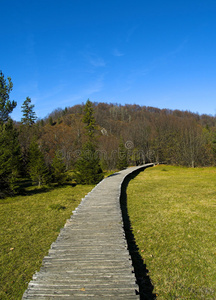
[90, 258]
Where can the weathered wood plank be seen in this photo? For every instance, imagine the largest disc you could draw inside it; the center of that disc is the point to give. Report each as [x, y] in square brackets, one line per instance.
[89, 259]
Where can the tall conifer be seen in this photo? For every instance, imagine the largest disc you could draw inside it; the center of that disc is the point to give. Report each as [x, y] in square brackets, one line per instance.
[6, 106]
[58, 168]
[29, 116]
[122, 162]
[9, 145]
[37, 167]
[88, 169]
[10, 157]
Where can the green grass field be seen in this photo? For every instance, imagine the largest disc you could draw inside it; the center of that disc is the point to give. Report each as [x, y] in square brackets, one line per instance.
[28, 226]
[173, 215]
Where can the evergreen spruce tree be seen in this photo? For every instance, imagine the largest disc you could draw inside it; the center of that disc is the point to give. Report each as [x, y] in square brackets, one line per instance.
[27, 131]
[29, 116]
[88, 169]
[122, 162]
[58, 168]
[6, 106]
[10, 158]
[9, 145]
[89, 120]
[37, 167]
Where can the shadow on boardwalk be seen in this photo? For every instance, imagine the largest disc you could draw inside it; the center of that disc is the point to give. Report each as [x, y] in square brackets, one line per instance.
[141, 272]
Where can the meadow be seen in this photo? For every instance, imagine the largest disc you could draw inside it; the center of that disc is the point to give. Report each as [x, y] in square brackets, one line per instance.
[28, 226]
[172, 212]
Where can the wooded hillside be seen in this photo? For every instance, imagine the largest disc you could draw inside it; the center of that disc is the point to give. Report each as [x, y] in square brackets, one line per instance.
[149, 135]
[94, 137]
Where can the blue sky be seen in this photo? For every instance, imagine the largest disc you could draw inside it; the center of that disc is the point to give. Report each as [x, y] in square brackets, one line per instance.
[153, 53]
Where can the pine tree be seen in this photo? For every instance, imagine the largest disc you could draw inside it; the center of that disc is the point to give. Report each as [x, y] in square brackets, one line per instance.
[9, 145]
[37, 167]
[89, 120]
[10, 158]
[88, 169]
[29, 116]
[58, 168]
[6, 106]
[122, 162]
[27, 131]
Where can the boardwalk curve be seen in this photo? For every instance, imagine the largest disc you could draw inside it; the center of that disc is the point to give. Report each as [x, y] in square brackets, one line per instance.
[90, 258]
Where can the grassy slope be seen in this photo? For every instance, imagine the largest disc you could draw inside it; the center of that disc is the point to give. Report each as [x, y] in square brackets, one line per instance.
[28, 226]
[173, 216]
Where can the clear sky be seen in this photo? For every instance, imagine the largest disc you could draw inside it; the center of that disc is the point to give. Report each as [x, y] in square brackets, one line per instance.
[154, 53]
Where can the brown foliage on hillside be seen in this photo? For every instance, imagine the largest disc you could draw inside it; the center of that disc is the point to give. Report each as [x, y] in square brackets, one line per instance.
[150, 135]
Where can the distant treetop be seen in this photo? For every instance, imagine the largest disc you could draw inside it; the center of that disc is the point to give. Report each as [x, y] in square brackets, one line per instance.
[6, 106]
[29, 116]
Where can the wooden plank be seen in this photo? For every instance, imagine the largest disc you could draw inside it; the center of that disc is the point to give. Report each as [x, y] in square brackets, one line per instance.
[89, 259]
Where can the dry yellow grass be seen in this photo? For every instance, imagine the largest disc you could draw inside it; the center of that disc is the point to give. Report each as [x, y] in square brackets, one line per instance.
[173, 216]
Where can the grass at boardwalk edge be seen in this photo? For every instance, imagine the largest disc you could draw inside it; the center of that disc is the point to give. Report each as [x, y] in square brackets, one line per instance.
[28, 226]
[173, 215]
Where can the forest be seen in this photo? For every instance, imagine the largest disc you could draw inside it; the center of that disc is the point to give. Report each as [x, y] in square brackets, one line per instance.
[148, 134]
[97, 136]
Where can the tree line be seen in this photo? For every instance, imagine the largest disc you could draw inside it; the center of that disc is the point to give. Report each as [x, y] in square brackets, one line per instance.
[92, 137]
[138, 133]
[23, 153]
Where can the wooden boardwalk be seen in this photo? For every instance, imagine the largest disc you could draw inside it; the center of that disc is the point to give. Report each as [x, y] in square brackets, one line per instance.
[90, 258]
